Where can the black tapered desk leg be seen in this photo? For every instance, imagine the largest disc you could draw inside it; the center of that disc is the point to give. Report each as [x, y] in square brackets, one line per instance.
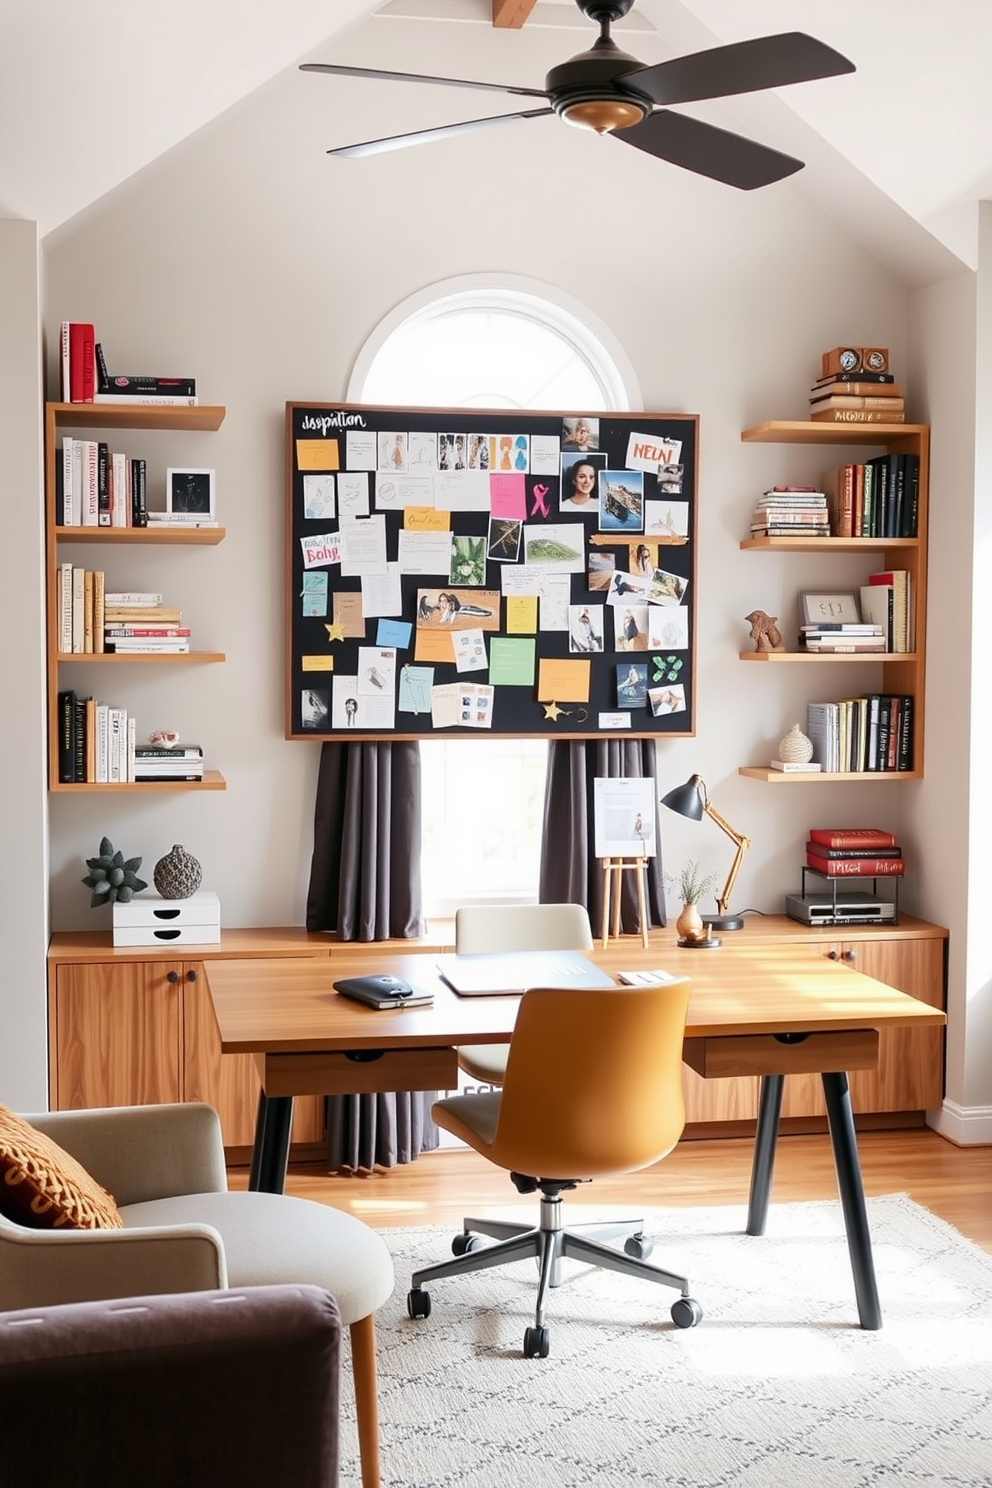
[763, 1161]
[270, 1150]
[852, 1196]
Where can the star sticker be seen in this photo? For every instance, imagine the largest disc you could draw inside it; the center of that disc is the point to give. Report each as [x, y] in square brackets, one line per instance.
[552, 711]
[335, 632]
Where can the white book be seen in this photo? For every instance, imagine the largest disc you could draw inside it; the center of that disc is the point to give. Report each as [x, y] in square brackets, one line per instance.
[150, 648]
[791, 767]
[120, 475]
[102, 744]
[78, 610]
[65, 384]
[65, 608]
[91, 484]
[130, 747]
[65, 515]
[823, 728]
[114, 745]
[131, 597]
[77, 483]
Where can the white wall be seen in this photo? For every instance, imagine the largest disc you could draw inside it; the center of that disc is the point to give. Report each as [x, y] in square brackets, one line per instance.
[249, 259]
[24, 860]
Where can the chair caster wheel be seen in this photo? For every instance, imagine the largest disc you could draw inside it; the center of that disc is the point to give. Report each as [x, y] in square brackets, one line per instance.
[463, 1244]
[537, 1343]
[418, 1303]
[686, 1312]
[638, 1246]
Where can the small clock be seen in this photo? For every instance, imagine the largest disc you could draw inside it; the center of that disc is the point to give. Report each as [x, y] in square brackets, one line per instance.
[876, 359]
[850, 360]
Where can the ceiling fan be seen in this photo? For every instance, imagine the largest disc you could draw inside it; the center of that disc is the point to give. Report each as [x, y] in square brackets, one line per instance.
[606, 90]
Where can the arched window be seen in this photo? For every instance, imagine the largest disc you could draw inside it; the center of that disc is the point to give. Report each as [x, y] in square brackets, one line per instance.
[492, 341]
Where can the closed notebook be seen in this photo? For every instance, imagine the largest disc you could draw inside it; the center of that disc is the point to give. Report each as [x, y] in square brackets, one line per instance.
[501, 973]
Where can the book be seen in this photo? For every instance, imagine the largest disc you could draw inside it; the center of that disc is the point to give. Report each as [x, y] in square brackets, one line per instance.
[120, 491]
[857, 415]
[871, 379]
[139, 510]
[911, 499]
[103, 483]
[65, 510]
[118, 598]
[789, 529]
[858, 385]
[98, 607]
[791, 767]
[852, 852]
[153, 614]
[64, 378]
[65, 608]
[898, 581]
[859, 837]
[822, 728]
[795, 497]
[82, 362]
[857, 867]
[160, 399]
[181, 751]
[150, 647]
[67, 747]
[852, 400]
[852, 644]
[839, 483]
[136, 632]
[102, 375]
[137, 384]
[78, 609]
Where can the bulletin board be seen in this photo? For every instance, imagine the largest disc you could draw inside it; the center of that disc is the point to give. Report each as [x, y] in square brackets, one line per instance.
[489, 571]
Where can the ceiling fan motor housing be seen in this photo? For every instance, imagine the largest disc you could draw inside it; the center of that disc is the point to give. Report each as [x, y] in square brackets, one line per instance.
[589, 89]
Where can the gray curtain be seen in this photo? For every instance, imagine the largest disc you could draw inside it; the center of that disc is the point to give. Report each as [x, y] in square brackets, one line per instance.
[570, 873]
[365, 884]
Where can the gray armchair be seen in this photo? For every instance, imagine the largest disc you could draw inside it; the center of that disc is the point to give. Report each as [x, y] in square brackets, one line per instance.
[184, 1231]
[194, 1389]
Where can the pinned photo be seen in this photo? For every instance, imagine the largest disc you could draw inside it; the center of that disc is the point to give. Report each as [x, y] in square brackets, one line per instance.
[667, 588]
[670, 477]
[315, 705]
[478, 452]
[452, 452]
[664, 700]
[391, 451]
[447, 609]
[318, 497]
[668, 628]
[632, 685]
[468, 560]
[601, 569]
[585, 628]
[668, 520]
[580, 433]
[504, 540]
[580, 482]
[630, 628]
[621, 500]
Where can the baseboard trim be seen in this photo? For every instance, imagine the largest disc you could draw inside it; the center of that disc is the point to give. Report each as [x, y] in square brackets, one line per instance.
[965, 1126]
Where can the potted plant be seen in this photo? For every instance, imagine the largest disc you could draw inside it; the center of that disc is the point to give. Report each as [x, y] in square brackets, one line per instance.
[691, 884]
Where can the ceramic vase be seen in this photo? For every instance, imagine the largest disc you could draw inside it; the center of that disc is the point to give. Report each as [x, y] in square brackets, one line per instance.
[690, 923]
[178, 874]
[795, 748]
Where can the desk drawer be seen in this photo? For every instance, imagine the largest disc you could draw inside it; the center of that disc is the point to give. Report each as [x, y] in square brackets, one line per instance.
[770, 1054]
[364, 1073]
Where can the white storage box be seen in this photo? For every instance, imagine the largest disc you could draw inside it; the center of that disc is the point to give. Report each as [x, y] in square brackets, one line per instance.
[151, 920]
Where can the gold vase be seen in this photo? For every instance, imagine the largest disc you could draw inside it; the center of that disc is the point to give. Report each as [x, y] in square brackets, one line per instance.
[690, 923]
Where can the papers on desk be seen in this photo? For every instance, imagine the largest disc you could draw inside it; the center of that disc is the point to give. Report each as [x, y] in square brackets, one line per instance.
[645, 978]
[500, 973]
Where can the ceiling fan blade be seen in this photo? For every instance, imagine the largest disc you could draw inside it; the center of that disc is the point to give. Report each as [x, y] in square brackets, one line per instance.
[742, 67]
[708, 151]
[417, 77]
[425, 136]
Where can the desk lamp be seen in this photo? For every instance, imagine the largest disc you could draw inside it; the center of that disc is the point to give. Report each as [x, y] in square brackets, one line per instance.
[691, 800]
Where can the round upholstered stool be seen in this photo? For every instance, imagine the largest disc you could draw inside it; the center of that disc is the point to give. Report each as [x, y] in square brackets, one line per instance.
[269, 1238]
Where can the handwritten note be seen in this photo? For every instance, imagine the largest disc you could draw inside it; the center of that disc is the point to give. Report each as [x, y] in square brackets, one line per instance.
[508, 496]
[319, 550]
[317, 454]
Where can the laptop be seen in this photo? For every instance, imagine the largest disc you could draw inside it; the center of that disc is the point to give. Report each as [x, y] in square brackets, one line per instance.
[501, 973]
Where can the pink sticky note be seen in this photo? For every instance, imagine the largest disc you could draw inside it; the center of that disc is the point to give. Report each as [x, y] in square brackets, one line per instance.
[508, 495]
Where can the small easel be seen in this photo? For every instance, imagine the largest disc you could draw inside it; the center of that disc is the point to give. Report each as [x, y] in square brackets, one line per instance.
[613, 871]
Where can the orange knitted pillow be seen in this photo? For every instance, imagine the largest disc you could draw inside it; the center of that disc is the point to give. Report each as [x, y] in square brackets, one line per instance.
[44, 1187]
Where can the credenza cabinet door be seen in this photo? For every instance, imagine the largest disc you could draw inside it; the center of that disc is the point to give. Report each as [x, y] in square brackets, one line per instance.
[117, 1035]
[910, 1074]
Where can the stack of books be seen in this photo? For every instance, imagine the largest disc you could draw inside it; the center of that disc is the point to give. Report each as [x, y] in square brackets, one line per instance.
[83, 375]
[843, 637]
[860, 734]
[174, 391]
[885, 599]
[185, 762]
[95, 741]
[854, 852]
[849, 391]
[791, 511]
[138, 624]
[96, 487]
[879, 498]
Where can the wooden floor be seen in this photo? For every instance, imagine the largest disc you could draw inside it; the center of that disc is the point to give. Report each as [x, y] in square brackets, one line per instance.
[440, 1187]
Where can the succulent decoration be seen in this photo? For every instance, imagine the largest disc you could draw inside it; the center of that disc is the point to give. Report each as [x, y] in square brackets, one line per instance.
[112, 877]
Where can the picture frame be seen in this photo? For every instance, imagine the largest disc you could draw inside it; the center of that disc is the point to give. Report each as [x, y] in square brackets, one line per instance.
[191, 495]
[829, 607]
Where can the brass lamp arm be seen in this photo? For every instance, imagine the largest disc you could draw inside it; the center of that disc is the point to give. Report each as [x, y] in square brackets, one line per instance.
[742, 844]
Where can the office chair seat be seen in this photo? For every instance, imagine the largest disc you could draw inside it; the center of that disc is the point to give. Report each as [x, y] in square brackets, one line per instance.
[593, 1087]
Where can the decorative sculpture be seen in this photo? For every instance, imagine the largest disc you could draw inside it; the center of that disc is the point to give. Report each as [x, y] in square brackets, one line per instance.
[764, 631]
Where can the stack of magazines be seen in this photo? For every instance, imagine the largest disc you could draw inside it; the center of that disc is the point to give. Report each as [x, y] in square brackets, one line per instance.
[185, 762]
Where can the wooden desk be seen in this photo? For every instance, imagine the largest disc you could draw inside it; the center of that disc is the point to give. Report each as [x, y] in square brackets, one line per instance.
[765, 1010]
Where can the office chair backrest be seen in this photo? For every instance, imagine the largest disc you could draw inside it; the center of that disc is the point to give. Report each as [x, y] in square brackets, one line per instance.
[522, 927]
[593, 1081]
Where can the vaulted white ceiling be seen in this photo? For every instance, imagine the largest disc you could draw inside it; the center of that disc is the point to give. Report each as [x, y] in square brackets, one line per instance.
[900, 152]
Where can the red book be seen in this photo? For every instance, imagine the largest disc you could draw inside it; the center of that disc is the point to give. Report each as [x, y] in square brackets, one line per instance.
[857, 867]
[82, 362]
[819, 851]
[852, 837]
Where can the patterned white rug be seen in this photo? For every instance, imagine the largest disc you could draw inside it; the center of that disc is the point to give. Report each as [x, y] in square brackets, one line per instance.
[777, 1387]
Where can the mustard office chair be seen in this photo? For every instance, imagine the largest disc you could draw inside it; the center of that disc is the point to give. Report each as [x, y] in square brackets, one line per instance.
[593, 1086]
[483, 928]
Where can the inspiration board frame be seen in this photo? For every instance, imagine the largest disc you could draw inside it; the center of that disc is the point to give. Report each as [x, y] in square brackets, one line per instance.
[448, 571]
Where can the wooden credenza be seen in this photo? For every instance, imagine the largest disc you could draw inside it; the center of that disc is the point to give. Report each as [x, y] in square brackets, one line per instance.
[134, 1025]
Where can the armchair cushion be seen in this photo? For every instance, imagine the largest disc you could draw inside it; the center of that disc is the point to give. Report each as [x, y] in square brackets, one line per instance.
[45, 1188]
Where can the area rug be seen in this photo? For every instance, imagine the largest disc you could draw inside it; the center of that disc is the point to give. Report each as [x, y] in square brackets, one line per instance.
[777, 1387]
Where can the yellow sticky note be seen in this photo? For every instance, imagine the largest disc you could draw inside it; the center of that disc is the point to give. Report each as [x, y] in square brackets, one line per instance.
[521, 614]
[563, 681]
[318, 663]
[317, 454]
[426, 519]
